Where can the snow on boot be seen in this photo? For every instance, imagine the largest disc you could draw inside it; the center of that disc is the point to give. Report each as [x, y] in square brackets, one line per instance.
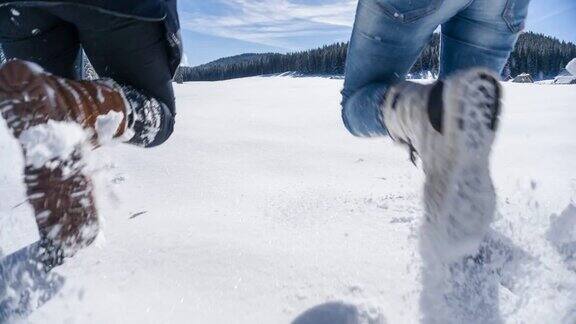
[48, 115]
[451, 126]
[31, 97]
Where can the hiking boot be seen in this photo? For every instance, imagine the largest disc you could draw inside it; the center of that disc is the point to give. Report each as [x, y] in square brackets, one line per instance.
[42, 110]
[30, 97]
[451, 126]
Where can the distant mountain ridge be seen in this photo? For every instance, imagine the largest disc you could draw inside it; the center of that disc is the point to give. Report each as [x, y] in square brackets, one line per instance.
[235, 59]
[541, 56]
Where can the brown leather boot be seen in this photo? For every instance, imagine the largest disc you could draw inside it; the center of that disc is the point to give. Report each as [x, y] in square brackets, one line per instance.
[59, 191]
[31, 97]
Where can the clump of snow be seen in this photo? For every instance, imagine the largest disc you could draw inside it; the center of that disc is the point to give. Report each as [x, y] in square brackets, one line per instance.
[15, 12]
[562, 234]
[35, 68]
[53, 140]
[571, 66]
[107, 126]
[100, 95]
[563, 227]
[18, 224]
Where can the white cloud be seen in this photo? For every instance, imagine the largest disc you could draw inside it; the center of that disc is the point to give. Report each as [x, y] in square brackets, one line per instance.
[272, 22]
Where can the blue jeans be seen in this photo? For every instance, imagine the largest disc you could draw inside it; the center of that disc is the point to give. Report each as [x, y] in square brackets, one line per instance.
[389, 35]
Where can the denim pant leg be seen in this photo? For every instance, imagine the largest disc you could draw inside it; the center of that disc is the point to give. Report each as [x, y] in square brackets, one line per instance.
[387, 38]
[482, 35]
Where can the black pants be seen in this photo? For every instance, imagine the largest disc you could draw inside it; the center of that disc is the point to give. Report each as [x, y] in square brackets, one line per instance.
[132, 52]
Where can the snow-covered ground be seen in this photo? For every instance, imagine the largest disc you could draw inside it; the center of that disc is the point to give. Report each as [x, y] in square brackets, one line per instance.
[262, 207]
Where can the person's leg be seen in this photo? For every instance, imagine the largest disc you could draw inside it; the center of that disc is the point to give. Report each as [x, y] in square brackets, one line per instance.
[388, 37]
[482, 35]
[58, 190]
[133, 53]
[34, 35]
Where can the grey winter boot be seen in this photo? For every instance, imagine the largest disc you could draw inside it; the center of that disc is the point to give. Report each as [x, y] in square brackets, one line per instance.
[451, 126]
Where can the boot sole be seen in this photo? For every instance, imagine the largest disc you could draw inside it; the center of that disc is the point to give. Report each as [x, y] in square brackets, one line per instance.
[472, 102]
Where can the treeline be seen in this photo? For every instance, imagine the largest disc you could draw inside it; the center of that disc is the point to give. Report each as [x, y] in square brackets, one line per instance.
[541, 56]
[328, 59]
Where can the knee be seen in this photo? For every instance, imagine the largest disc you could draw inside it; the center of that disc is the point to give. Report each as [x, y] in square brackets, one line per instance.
[361, 111]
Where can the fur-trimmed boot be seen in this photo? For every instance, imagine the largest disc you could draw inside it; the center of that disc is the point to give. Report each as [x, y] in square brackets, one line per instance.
[451, 126]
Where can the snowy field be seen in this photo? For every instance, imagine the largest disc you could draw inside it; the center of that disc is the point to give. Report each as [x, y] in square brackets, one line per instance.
[262, 207]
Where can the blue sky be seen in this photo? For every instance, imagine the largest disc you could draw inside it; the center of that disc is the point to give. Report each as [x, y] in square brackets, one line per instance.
[219, 28]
